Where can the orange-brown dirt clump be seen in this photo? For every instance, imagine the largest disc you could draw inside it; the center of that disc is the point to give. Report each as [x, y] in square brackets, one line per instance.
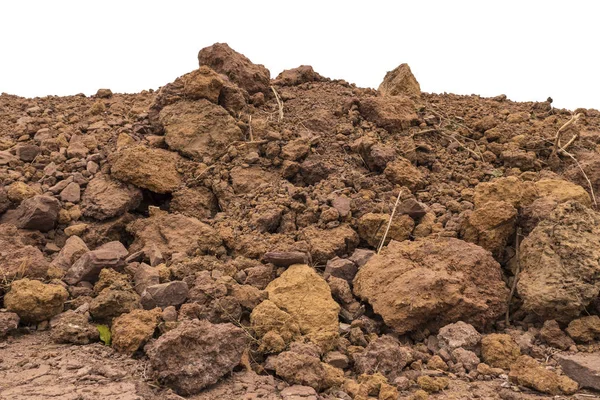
[228, 236]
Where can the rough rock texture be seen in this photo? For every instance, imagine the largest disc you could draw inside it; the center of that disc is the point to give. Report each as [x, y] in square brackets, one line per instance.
[268, 318]
[89, 265]
[35, 301]
[559, 263]
[165, 294]
[196, 354]
[9, 322]
[199, 129]
[18, 258]
[562, 191]
[71, 327]
[304, 295]
[432, 283]
[106, 198]
[223, 59]
[203, 83]
[305, 369]
[585, 329]
[499, 350]
[152, 169]
[36, 213]
[552, 335]
[112, 302]
[173, 233]
[73, 249]
[198, 202]
[297, 76]
[459, 334]
[510, 189]
[391, 113]
[402, 172]
[326, 244]
[528, 372]
[400, 81]
[132, 330]
[490, 226]
[384, 355]
[582, 368]
[372, 227]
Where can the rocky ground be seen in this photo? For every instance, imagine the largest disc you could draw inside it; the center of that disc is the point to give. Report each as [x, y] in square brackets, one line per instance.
[228, 237]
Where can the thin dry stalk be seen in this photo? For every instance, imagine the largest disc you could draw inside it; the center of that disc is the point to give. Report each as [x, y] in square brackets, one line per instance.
[250, 128]
[584, 175]
[516, 278]
[387, 229]
[279, 103]
[557, 147]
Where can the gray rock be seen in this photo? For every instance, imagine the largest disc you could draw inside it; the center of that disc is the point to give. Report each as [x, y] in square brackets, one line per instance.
[144, 277]
[71, 193]
[165, 294]
[459, 334]
[582, 368]
[36, 213]
[89, 265]
[196, 354]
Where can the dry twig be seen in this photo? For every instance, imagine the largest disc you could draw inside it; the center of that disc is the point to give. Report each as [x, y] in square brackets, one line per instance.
[279, 103]
[390, 222]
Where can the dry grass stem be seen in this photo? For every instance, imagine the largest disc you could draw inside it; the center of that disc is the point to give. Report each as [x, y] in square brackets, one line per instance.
[279, 103]
[584, 175]
[387, 229]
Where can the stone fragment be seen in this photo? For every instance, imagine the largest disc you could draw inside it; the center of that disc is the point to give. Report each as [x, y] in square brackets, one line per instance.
[400, 81]
[89, 265]
[132, 330]
[35, 301]
[166, 294]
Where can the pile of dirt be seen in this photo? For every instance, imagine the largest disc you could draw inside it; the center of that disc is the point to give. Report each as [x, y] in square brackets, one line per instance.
[229, 236]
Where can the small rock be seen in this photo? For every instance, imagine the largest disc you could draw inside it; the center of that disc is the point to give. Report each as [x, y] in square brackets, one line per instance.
[340, 268]
[72, 193]
[163, 295]
[528, 372]
[36, 213]
[582, 368]
[9, 321]
[554, 336]
[104, 93]
[89, 265]
[72, 327]
[431, 384]
[144, 277]
[132, 330]
[584, 329]
[459, 334]
[499, 350]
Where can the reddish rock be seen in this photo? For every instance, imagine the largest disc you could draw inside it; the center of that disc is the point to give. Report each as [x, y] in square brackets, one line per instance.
[394, 114]
[36, 213]
[196, 354]
[400, 81]
[163, 295]
[107, 198]
[89, 265]
[238, 68]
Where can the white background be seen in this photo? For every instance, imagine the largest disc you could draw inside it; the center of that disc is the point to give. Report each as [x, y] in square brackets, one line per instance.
[528, 50]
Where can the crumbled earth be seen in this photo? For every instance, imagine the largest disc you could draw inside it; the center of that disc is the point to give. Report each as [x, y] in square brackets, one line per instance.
[228, 236]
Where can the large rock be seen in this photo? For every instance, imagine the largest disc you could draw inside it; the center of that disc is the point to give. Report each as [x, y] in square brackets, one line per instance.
[384, 355]
[89, 265]
[152, 169]
[36, 213]
[394, 114]
[304, 295]
[559, 263]
[173, 233]
[400, 81]
[431, 283]
[106, 198]
[35, 301]
[196, 354]
[372, 227]
[18, 259]
[223, 59]
[132, 330]
[582, 368]
[199, 129]
[166, 294]
[326, 244]
[529, 373]
[490, 226]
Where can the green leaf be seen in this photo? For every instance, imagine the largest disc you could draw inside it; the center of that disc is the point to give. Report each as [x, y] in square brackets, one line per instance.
[105, 336]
